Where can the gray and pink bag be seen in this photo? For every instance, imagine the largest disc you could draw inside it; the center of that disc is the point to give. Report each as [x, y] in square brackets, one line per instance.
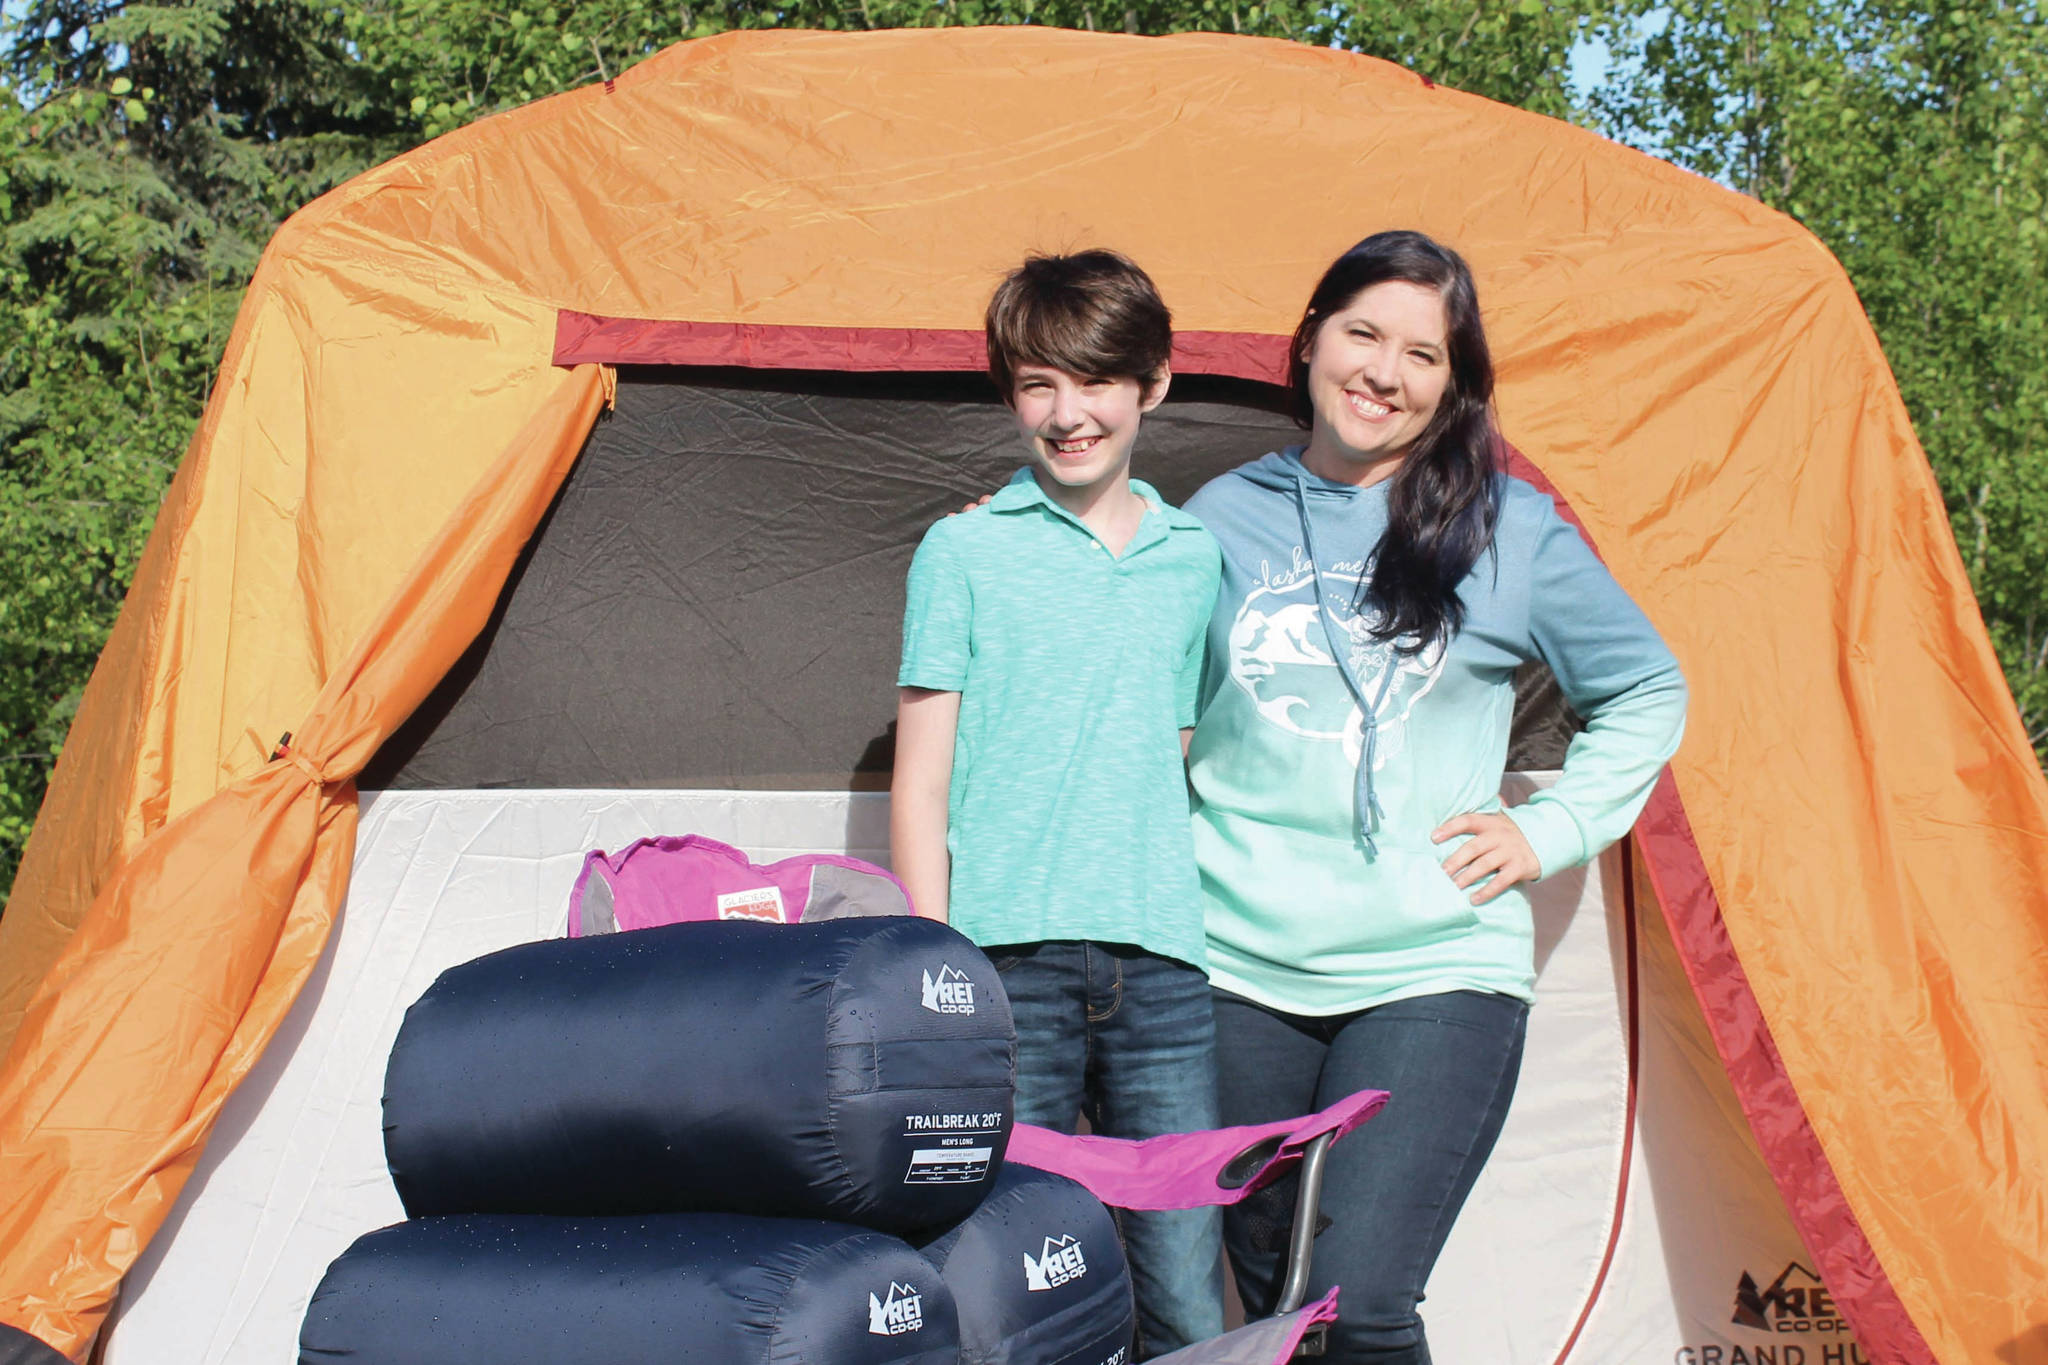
[677, 878]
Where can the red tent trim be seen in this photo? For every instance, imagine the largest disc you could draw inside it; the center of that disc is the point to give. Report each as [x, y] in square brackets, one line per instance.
[1791, 1149]
[584, 338]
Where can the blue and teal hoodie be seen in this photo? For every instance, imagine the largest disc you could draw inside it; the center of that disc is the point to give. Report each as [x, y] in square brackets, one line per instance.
[1322, 891]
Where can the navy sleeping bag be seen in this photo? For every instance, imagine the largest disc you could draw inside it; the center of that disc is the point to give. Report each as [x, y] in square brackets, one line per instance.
[671, 1289]
[1039, 1276]
[859, 1070]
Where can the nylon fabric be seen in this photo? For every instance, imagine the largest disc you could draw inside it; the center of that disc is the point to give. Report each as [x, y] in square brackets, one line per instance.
[669, 879]
[216, 924]
[1187, 1170]
[19, 1348]
[1269, 1341]
[860, 1070]
[681, 1289]
[1690, 369]
[1038, 1274]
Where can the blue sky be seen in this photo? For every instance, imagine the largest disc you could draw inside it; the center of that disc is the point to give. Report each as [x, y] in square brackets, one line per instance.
[1589, 59]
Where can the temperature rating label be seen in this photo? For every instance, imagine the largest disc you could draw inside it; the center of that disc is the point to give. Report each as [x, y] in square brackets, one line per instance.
[948, 1165]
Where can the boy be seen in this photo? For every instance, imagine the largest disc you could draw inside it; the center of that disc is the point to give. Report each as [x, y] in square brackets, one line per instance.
[1052, 645]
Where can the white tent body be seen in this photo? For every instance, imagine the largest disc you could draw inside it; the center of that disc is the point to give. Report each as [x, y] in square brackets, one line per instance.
[295, 1172]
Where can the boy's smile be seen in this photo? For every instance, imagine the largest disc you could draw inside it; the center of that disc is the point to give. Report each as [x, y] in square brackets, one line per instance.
[1080, 428]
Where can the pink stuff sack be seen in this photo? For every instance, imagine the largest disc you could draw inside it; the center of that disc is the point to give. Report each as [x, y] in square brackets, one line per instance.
[674, 878]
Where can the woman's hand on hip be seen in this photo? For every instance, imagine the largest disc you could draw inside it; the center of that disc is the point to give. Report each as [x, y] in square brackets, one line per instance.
[1496, 849]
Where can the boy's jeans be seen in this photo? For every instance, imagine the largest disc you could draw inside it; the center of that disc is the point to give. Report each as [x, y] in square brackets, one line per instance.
[1128, 1038]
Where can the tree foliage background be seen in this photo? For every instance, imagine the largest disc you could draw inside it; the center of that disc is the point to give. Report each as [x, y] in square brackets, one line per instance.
[147, 151]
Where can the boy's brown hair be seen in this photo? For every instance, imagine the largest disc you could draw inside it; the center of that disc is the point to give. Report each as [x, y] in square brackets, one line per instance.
[1094, 313]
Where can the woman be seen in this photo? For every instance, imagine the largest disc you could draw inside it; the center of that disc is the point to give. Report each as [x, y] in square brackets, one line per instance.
[1362, 884]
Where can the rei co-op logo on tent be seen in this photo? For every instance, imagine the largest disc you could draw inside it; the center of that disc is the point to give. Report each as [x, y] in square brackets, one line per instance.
[949, 992]
[902, 1311]
[1798, 1313]
[1801, 1318]
[1059, 1262]
[1795, 1302]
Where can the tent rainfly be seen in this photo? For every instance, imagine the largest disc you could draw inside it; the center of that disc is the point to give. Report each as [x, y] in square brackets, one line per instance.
[1784, 1099]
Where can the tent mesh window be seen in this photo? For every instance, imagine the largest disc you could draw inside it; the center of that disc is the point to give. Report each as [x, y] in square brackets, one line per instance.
[715, 600]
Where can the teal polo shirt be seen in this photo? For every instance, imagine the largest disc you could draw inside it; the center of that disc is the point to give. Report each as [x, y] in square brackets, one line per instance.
[1077, 670]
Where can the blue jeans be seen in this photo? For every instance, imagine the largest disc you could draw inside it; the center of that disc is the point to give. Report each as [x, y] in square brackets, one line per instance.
[1393, 1188]
[1127, 1038]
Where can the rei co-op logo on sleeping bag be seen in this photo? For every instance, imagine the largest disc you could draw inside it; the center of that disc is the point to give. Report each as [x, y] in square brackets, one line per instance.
[1059, 1262]
[902, 1311]
[949, 992]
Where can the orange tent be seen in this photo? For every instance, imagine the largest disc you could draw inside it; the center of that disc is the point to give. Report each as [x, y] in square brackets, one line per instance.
[1849, 851]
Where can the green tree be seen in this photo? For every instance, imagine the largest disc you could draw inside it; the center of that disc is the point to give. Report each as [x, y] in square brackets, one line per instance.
[447, 62]
[146, 154]
[1913, 141]
[94, 403]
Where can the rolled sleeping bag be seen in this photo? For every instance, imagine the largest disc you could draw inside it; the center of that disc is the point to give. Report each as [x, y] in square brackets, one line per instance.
[860, 1070]
[670, 1289]
[1038, 1273]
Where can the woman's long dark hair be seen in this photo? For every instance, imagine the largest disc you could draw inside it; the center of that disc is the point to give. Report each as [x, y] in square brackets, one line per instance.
[1444, 501]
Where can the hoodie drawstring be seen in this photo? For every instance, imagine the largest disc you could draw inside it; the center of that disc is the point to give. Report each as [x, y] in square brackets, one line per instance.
[1368, 802]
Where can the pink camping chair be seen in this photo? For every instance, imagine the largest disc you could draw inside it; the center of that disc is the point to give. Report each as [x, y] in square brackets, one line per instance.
[671, 879]
[1218, 1167]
